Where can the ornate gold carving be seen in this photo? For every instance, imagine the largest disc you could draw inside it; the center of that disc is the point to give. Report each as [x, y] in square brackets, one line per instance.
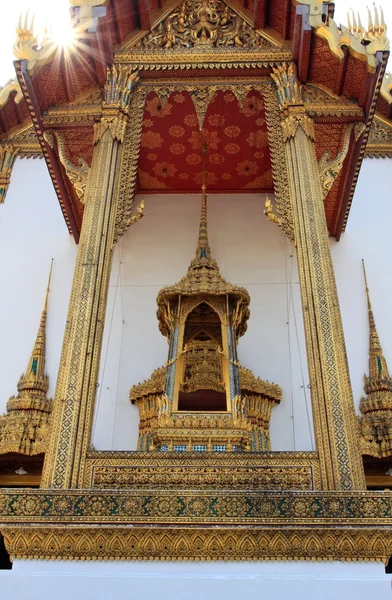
[206, 544]
[27, 142]
[340, 464]
[279, 168]
[79, 365]
[320, 101]
[25, 427]
[288, 87]
[291, 102]
[214, 470]
[120, 82]
[8, 154]
[76, 174]
[199, 402]
[269, 212]
[129, 166]
[330, 168]
[376, 408]
[203, 24]
[380, 140]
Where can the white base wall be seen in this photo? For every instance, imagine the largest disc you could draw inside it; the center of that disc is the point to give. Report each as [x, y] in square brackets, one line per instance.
[45, 580]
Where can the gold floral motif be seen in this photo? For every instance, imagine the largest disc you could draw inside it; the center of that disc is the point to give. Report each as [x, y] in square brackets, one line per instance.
[228, 97]
[179, 98]
[193, 159]
[216, 159]
[210, 138]
[177, 148]
[176, 131]
[152, 156]
[226, 176]
[157, 109]
[251, 106]
[190, 120]
[232, 148]
[149, 182]
[216, 120]
[184, 176]
[232, 131]
[151, 140]
[247, 168]
[210, 178]
[164, 169]
[147, 123]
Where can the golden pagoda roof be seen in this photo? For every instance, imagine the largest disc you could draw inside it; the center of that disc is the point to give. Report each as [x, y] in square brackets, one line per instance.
[203, 277]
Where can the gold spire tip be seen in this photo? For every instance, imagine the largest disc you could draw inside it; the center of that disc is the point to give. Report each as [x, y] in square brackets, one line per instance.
[48, 284]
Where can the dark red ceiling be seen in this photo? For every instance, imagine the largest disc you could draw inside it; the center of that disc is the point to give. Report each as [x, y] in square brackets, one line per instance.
[238, 157]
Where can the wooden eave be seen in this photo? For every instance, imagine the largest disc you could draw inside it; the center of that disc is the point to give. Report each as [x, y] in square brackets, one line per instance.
[59, 83]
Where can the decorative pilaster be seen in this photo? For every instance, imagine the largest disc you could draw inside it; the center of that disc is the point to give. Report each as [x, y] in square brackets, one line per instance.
[79, 365]
[8, 154]
[24, 429]
[335, 424]
[376, 407]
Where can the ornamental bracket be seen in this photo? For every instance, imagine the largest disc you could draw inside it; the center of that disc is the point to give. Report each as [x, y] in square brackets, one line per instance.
[76, 174]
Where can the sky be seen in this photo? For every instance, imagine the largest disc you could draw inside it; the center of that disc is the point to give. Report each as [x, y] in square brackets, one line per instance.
[55, 11]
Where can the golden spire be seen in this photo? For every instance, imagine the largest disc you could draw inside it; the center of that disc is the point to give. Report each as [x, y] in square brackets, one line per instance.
[376, 407]
[203, 276]
[377, 364]
[203, 247]
[24, 428]
[36, 366]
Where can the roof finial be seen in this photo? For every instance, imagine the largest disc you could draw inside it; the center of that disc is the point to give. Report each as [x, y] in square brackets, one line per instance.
[36, 366]
[376, 406]
[377, 364]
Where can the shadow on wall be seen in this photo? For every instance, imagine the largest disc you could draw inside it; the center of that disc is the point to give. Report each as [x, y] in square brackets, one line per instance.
[5, 562]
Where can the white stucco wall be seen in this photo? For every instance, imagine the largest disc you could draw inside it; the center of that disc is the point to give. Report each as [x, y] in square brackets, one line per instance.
[32, 231]
[43, 580]
[250, 250]
[156, 252]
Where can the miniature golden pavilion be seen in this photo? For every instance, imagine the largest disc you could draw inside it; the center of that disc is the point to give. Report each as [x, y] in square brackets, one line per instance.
[304, 101]
[204, 400]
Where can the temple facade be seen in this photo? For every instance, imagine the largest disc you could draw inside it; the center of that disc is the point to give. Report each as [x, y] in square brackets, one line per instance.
[207, 404]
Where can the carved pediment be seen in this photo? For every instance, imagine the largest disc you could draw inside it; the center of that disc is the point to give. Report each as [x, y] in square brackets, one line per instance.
[203, 23]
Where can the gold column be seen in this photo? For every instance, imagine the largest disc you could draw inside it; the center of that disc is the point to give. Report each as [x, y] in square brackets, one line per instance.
[335, 423]
[79, 365]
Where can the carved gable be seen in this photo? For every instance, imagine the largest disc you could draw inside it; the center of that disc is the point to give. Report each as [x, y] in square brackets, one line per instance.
[203, 23]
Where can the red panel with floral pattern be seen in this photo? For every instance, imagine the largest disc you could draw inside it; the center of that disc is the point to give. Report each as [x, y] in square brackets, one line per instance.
[238, 157]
